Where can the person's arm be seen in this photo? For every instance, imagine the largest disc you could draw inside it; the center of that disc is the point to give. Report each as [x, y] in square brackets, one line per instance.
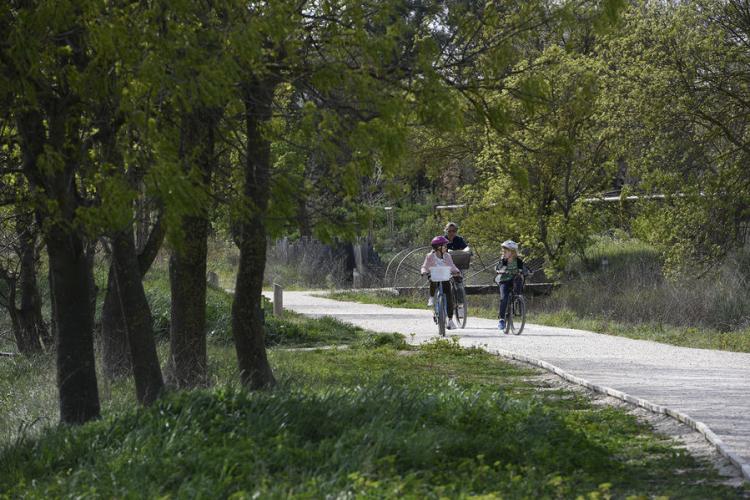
[425, 265]
[501, 266]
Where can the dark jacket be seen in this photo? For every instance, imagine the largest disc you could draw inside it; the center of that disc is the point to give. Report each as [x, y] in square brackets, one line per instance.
[458, 243]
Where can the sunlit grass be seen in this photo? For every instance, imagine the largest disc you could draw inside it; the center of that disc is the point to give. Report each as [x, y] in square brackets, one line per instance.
[391, 421]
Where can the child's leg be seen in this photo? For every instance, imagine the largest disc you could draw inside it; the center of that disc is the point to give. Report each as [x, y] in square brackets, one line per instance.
[449, 296]
[433, 285]
[505, 288]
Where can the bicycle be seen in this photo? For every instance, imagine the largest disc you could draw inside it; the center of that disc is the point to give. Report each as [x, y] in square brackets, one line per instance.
[440, 301]
[515, 312]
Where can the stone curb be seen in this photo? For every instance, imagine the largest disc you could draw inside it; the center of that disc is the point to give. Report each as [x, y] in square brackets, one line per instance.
[700, 427]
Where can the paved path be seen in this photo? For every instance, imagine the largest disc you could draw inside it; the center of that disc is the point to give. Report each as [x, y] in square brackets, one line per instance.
[712, 387]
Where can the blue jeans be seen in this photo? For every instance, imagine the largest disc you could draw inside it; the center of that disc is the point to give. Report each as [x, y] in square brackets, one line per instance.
[505, 288]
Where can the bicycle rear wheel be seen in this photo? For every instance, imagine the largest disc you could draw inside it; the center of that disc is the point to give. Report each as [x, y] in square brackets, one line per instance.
[461, 305]
[518, 315]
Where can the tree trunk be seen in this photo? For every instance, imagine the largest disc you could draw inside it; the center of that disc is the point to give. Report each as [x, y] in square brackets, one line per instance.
[115, 349]
[70, 272]
[187, 276]
[187, 265]
[136, 318]
[247, 322]
[71, 287]
[30, 318]
[53, 307]
[9, 303]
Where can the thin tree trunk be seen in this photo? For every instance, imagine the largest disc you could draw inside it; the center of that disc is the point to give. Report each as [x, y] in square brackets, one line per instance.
[53, 307]
[136, 316]
[15, 323]
[116, 356]
[115, 349]
[247, 322]
[30, 317]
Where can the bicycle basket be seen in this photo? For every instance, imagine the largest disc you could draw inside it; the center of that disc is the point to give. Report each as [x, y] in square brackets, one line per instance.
[461, 258]
[440, 273]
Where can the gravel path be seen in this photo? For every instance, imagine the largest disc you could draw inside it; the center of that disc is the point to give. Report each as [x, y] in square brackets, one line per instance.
[696, 385]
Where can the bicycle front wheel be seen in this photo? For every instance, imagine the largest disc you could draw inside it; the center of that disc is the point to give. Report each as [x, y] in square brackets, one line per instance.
[442, 312]
[518, 315]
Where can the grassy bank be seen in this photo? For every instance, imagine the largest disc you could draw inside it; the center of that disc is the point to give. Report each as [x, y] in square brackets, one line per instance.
[371, 421]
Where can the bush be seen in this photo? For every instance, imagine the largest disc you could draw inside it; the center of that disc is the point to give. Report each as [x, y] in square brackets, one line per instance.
[392, 340]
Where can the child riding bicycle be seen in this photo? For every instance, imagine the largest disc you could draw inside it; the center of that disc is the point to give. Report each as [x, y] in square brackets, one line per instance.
[510, 268]
[439, 256]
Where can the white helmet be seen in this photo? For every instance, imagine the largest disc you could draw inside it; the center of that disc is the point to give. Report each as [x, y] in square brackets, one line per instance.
[510, 245]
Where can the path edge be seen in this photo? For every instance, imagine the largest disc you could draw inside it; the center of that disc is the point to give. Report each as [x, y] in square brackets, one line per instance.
[697, 426]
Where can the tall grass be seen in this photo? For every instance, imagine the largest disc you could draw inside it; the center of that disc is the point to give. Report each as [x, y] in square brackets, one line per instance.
[305, 263]
[622, 280]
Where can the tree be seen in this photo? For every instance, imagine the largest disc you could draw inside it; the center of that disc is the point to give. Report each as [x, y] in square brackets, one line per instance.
[536, 171]
[19, 249]
[680, 98]
[44, 60]
[61, 67]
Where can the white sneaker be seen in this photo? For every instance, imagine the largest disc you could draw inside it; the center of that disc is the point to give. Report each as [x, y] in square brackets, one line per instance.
[431, 301]
[451, 325]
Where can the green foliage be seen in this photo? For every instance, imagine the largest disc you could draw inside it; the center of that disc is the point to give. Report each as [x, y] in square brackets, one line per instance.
[294, 330]
[364, 423]
[533, 180]
[671, 71]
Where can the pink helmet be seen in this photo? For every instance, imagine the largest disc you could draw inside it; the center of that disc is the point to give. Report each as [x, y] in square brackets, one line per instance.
[439, 241]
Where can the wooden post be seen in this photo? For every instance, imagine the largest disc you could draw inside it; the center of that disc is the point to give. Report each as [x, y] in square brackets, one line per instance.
[278, 302]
